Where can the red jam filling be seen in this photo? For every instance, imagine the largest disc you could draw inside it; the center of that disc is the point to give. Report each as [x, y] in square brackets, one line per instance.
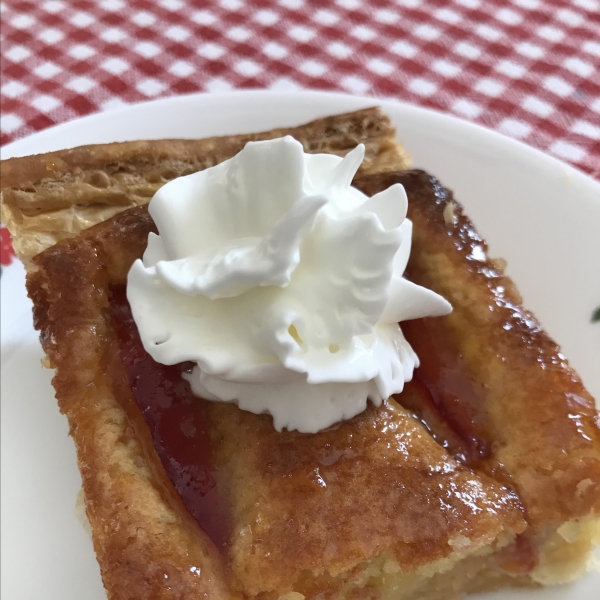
[448, 401]
[178, 422]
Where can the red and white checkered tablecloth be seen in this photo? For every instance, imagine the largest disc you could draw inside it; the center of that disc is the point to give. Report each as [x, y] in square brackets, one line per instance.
[527, 68]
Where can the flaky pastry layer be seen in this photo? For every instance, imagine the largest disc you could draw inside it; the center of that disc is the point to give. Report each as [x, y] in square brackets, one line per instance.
[48, 197]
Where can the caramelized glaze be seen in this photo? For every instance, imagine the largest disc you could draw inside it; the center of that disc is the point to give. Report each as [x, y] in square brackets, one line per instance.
[178, 421]
[448, 401]
[374, 483]
[298, 495]
[304, 507]
[523, 410]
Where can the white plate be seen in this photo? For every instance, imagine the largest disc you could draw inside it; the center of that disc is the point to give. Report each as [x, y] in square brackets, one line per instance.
[540, 214]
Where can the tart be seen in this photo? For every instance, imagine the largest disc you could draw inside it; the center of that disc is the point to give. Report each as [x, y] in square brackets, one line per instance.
[483, 472]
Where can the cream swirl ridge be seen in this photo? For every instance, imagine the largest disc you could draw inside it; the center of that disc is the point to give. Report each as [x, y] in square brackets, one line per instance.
[283, 284]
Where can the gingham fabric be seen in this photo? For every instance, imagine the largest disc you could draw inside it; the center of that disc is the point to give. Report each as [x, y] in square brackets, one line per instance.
[527, 68]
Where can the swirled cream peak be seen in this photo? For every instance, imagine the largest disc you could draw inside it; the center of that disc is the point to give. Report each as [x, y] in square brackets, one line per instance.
[283, 284]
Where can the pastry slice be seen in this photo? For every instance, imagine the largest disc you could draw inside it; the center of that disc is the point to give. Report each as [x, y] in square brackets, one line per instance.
[48, 197]
[188, 498]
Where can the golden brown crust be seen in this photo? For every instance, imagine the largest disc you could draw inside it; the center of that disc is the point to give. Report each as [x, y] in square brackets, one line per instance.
[146, 543]
[50, 196]
[542, 423]
[389, 488]
[311, 511]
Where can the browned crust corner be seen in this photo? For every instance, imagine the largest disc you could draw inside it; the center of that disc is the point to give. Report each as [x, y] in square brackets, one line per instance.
[543, 423]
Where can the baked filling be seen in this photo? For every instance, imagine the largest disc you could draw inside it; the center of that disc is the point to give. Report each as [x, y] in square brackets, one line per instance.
[484, 472]
[183, 429]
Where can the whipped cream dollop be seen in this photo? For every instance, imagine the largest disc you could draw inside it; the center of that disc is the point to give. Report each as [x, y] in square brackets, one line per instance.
[283, 284]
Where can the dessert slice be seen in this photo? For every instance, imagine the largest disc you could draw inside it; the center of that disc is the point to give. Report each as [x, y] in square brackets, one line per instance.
[187, 497]
[372, 505]
[48, 197]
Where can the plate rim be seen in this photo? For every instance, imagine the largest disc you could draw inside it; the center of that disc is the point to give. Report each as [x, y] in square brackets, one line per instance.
[488, 135]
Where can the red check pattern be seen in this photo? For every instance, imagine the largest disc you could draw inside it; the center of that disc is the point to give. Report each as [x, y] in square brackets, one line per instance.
[527, 68]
